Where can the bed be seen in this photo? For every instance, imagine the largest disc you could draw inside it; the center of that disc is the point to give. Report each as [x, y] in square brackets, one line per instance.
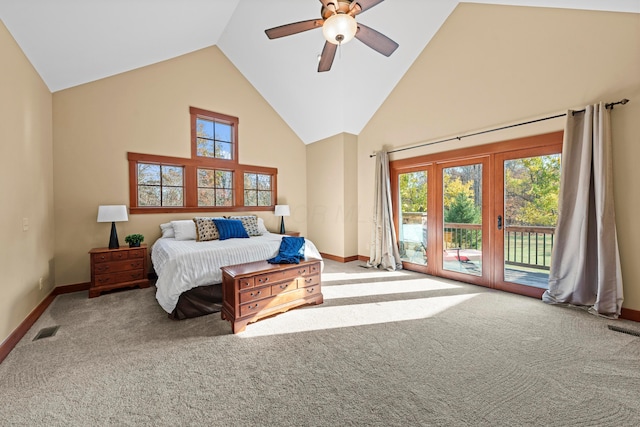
[189, 275]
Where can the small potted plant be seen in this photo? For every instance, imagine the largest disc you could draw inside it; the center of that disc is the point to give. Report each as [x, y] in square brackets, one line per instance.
[134, 240]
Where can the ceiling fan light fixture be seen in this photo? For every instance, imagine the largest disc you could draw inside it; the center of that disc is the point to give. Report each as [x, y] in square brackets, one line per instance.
[339, 28]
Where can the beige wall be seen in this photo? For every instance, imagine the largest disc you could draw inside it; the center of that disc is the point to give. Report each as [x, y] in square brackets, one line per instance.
[332, 194]
[147, 111]
[27, 190]
[494, 65]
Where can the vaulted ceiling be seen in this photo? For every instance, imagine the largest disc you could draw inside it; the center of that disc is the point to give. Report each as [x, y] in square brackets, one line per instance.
[71, 42]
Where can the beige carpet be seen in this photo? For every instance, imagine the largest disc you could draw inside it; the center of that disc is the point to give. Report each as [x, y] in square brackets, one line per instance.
[385, 349]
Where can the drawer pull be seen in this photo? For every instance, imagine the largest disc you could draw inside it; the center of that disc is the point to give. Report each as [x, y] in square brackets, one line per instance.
[308, 280]
[255, 294]
[246, 284]
[252, 307]
[284, 286]
[263, 280]
[302, 271]
[310, 290]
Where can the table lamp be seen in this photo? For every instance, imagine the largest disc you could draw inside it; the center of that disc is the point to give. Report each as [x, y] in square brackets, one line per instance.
[112, 214]
[282, 211]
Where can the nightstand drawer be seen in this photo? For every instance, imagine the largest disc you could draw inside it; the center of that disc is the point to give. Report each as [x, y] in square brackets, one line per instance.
[130, 276]
[119, 256]
[122, 277]
[101, 257]
[116, 266]
[136, 253]
[105, 279]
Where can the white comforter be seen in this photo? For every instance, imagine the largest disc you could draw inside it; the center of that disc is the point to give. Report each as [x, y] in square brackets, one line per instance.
[185, 264]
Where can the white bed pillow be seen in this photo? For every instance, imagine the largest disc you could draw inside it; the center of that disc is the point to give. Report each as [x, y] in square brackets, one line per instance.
[167, 230]
[261, 228]
[184, 229]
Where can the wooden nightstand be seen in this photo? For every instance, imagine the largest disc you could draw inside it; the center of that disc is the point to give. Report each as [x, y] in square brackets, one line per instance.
[291, 233]
[117, 268]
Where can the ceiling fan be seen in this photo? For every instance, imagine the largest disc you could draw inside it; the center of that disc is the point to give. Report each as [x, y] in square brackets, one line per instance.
[339, 26]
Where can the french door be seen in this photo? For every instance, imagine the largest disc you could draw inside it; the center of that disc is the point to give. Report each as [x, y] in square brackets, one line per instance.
[526, 206]
[484, 215]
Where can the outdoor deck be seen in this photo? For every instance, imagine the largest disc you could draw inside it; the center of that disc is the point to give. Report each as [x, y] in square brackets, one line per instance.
[527, 250]
[524, 276]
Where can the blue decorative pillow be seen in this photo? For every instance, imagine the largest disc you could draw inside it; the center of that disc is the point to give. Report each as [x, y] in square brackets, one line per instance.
[230, 229]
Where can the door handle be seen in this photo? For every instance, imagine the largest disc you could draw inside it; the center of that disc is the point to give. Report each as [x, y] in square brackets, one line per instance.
[499, 222]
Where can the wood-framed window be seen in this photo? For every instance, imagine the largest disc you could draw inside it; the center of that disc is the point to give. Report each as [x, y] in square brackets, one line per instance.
[213, 135]
[160, 185]
[211, 180]
[258, 189]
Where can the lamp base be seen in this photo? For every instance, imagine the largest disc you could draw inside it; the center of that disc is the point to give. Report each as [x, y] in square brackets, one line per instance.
[113, 240]
[282, 225]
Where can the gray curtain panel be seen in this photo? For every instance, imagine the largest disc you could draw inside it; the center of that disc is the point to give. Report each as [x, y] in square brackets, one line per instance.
[585, 263]
[384, 244]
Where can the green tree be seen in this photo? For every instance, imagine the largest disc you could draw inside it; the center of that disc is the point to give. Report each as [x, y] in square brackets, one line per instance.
[462, 210]
[413, 191]
[531, 190]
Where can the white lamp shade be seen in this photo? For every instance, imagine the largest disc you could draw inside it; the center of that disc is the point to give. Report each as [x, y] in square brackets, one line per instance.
[339, 28]
[282, 210]
[112, 213]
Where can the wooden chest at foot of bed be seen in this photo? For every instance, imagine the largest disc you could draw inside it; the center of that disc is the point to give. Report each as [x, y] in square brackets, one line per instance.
[256, 290]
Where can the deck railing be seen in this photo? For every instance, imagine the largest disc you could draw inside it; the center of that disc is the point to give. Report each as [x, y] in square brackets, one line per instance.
[525, 246]
[528, 246]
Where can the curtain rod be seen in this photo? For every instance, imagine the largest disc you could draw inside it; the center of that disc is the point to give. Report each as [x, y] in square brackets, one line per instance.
[608, 106]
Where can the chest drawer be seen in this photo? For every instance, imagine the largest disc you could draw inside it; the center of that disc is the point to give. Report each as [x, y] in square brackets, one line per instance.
[292, 273]
[255, 294]
[303, 282]
[253, 307]
[284, 287]
[245, 283]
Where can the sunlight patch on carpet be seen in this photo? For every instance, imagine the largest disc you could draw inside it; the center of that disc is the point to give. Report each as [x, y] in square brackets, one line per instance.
[365, 274]
[384, 288]
[315, 318]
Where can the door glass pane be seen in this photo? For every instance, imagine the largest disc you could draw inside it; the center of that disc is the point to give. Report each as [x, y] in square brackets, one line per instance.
[462, 211]
[413, 217]
[531, 188]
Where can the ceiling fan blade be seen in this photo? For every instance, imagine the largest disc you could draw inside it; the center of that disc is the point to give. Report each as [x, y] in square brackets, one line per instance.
[326, 59]
[364, 4]
[293, 28]
[375, 40]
